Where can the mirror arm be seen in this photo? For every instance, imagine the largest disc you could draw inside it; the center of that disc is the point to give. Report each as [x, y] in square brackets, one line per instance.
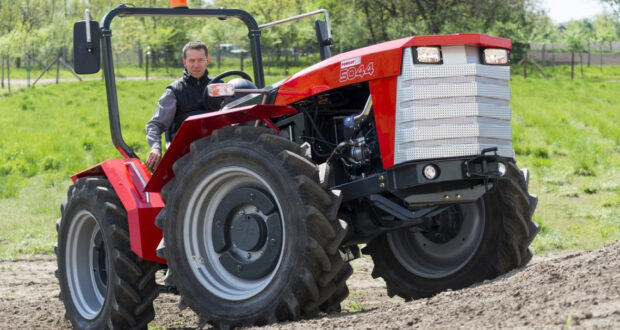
[89, 41]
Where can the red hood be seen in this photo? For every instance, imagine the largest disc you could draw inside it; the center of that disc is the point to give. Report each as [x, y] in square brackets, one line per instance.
[376, 61]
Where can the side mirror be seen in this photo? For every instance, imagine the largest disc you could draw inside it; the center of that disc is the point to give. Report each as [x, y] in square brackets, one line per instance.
[86, 47]
[323, 39]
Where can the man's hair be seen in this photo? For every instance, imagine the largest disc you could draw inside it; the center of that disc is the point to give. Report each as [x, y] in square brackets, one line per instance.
[195, 45]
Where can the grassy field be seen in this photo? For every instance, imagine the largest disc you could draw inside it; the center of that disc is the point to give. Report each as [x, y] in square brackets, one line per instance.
[565, 131]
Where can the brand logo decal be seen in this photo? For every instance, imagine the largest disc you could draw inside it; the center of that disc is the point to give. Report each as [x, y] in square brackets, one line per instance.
[350, 62]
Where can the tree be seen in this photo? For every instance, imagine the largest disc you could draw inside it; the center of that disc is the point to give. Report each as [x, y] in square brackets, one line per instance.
[604, 32]
[588, 33]
[573, 38]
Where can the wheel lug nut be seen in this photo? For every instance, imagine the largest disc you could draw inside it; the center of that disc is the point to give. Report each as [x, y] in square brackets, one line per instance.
[239, 269]
[248, 255]
[273, 241]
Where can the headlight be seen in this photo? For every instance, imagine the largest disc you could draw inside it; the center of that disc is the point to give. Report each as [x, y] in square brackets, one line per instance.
[221, 89]
[428, 55]
[496, 56]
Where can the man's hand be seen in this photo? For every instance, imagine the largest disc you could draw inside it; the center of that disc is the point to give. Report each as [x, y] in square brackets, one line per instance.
[153, 159]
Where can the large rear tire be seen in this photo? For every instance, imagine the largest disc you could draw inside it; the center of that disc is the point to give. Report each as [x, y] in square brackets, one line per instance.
[486, 238]
[250, 236]
[103, 284]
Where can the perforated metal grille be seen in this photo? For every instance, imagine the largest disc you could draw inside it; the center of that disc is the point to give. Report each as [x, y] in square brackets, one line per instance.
[451, 110]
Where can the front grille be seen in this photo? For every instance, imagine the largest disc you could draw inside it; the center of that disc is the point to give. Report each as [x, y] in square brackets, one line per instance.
[451, 110]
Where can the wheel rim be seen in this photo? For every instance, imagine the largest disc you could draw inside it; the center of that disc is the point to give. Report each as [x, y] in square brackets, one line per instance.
[226, 262]
[87, 273]
[428, 257]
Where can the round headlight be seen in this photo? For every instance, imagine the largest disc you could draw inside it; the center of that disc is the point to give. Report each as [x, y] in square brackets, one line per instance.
[430, 172]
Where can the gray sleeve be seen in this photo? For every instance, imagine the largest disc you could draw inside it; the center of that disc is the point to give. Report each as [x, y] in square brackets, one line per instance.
[162, 119]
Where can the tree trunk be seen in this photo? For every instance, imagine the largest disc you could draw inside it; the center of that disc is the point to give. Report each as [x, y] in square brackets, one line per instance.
[166, 60]
[57, 70]
[269, 61]
[147, 67]
[589, 53]
[552, 56]
[8, 73]
[572, 65]
[140, 55]
[2, 79]
[118, 66]
[286, 62]
[219, 56]
[28, 70]
[544, 61]
[601, 57]
[525, 65]
[581, 63]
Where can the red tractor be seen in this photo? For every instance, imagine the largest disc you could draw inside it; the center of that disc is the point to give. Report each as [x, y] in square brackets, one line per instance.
[255, 210]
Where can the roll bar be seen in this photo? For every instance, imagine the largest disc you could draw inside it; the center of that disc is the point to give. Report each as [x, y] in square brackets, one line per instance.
[108, 64]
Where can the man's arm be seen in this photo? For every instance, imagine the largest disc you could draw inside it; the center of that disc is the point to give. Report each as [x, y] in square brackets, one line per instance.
[161, 120]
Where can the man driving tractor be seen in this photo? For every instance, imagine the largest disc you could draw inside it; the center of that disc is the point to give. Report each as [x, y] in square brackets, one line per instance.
[181, 99]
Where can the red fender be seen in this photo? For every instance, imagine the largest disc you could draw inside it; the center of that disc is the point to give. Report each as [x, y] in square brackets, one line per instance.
[198, 126]
[139, 191]
[128, 177]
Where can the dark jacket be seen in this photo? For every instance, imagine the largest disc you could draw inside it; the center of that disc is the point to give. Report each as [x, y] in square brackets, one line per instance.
[189, 94]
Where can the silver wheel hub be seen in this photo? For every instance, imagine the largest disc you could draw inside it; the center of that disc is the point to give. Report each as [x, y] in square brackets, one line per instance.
[86, 265]
[424, 255]
[233, 233]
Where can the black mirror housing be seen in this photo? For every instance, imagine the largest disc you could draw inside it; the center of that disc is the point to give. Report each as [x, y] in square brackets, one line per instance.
[86, 54]
[323, 39]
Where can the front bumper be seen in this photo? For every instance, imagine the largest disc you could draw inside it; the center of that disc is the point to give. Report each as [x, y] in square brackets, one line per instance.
[459, 180]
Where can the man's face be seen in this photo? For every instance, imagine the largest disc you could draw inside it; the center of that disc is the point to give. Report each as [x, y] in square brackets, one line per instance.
[195, 62]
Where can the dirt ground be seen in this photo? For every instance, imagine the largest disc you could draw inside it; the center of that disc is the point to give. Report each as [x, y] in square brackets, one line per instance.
[567, 289]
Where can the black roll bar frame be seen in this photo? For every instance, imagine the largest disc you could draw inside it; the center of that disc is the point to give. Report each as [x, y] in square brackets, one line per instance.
[108, 64]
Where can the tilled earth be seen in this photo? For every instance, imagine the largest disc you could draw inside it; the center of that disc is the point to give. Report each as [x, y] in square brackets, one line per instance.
[567, 289]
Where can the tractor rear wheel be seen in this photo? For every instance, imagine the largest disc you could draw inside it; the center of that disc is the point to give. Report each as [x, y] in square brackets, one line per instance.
[473, 242]
[250, 237]
[103, 284]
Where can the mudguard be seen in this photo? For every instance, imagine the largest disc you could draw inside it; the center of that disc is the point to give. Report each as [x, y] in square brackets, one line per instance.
[139, 191]
[198, 126]
[129, 177]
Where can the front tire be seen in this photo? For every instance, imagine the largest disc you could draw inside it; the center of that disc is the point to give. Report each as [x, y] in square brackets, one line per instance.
[250, 236]
[490, 238]
[103, 284]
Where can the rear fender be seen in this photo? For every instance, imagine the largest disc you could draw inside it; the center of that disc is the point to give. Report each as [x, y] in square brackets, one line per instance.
[128, 178]
[198, 126]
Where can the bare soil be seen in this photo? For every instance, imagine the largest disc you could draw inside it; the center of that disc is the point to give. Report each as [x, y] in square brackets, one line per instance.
[567, 289]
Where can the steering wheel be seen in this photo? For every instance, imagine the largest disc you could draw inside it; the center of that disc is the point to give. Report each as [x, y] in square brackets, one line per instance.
[216, 79]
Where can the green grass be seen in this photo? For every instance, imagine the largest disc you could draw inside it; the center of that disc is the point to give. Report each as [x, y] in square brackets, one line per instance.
[565, 131]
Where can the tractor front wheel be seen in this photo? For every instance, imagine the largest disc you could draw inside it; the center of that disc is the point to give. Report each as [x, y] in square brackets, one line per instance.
[472, 242]
[250, 236]
[103, 284]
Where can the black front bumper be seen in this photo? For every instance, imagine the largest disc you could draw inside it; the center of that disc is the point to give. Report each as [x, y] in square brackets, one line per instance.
[458, 181]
